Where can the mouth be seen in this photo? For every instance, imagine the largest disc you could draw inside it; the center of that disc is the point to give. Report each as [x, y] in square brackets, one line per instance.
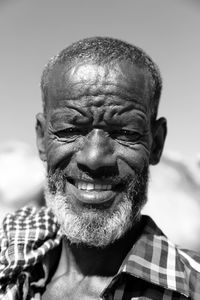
[91, 192]
[89, 186]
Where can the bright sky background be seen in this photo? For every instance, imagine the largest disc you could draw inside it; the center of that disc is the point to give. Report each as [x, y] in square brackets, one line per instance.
[33, 31]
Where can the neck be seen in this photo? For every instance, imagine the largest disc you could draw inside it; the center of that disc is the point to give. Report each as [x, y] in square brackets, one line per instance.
[92, 261]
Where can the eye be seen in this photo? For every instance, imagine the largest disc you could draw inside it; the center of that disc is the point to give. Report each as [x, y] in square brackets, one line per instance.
[126, 135]
[70, 133]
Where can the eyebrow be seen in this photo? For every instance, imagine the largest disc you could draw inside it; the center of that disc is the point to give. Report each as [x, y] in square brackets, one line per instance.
[71, 114]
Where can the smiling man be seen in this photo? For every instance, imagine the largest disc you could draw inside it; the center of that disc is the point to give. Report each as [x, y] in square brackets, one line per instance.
[98, 134]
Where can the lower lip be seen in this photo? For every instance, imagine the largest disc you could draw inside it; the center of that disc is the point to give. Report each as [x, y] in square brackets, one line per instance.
[89, 197]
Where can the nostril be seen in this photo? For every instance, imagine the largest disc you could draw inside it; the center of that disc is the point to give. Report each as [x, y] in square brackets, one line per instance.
[102, 173]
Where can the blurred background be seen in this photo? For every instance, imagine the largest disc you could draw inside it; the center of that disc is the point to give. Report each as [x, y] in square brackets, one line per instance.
[31, 32]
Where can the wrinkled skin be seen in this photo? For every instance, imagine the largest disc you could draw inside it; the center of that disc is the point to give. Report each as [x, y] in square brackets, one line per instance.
[98, 118]
[98, 130]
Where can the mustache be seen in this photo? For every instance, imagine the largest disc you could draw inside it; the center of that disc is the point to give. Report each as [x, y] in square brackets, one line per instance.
[110, 175]
[58, 178]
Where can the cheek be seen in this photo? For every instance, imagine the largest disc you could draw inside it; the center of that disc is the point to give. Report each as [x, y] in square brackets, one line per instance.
[132, 160]
[59, 154]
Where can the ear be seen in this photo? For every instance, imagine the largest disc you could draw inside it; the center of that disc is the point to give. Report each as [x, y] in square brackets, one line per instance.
[40, 134]
[159, 132]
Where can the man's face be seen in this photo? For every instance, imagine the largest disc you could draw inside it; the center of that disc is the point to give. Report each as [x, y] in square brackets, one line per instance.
[97, 141]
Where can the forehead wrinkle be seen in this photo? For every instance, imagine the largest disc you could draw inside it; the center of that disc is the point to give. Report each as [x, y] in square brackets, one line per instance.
[105, 89]
[98, 96]
[96, 109]
[70, 113]
[123, 117]
[121, 105]
[92, 80]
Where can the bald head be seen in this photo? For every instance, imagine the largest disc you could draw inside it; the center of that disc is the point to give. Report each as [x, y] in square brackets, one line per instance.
[103, 51]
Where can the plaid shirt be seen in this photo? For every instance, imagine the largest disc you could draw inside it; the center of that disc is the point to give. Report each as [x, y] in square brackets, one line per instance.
[153, 269]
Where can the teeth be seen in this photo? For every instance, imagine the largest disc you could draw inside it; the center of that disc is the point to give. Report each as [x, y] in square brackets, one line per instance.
[98, 186]
[82, 185]
[90, 186]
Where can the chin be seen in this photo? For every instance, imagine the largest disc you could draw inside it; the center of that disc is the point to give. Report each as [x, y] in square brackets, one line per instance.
[92, 225]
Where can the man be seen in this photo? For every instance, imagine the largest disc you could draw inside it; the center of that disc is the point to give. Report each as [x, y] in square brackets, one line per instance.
[98, 134]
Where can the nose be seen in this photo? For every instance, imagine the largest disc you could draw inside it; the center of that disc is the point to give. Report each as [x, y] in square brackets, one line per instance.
[97, 151]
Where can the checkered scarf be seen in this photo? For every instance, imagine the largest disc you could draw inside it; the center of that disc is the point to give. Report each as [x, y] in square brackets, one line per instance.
[29, 235]
[25, 239]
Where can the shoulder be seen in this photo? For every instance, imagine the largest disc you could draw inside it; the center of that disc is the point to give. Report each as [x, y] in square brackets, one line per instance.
[181, 267]
[190, 260]
[26, 236]
[28, 225]
[191, 265]
[27, 217]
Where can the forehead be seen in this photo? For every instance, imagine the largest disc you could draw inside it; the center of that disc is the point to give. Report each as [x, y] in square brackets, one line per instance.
[117, 76]
[90, 85]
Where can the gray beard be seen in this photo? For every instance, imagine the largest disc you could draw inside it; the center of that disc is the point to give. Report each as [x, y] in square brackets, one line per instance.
[91, 226]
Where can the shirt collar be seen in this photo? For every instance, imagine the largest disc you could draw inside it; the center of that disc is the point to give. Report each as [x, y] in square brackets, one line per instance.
[155, 259]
